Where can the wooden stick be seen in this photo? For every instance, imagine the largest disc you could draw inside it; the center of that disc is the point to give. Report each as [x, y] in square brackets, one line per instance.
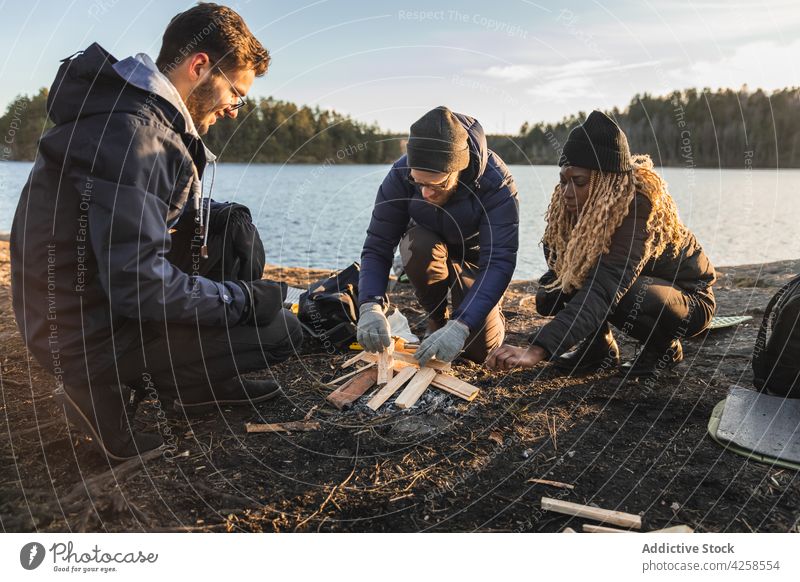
[408, 359]
[355, 387]
[385, 365]
[292, 426]
[456, 387]
[568, 530]
[350, 374]
[391, 387]
[357, 358]
[435, 364]
[595, 513]
[674, 529]
[587, 527]
[415, 388]
[558, 484]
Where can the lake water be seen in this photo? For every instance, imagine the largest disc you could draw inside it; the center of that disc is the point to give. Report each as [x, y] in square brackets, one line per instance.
[316, 216]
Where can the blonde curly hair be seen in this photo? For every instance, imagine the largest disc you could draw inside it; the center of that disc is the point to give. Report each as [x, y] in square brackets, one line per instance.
[576, 242]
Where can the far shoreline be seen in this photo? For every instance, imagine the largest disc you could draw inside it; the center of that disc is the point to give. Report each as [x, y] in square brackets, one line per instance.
[351, 164]
[767, 266]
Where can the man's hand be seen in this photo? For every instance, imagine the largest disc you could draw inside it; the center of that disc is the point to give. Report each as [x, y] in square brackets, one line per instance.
[373, 328]
[445, 343]
[508, 357]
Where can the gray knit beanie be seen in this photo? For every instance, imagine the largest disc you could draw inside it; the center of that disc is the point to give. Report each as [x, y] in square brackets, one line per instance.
[438, 143]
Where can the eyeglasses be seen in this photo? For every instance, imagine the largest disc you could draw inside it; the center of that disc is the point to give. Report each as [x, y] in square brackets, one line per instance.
[240, 102]
[438, 188]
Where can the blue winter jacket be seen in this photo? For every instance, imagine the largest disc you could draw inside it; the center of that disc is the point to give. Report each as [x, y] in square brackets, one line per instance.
[483, 212]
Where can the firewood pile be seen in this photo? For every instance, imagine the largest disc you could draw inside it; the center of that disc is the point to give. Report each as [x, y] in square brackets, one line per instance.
[392, 370]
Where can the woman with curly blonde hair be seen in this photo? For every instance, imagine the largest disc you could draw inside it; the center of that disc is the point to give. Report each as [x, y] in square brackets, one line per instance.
[617, 253]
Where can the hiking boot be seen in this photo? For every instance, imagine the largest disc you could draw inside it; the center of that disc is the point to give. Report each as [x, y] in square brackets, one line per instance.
[650, 361]
[233, 392]
[594, 352]
[102, 413]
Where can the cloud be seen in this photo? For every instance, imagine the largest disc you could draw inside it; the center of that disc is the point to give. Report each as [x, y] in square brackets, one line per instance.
[561, 89]
[584, 67]
[764, 64]
[572, 80]
[510, 73]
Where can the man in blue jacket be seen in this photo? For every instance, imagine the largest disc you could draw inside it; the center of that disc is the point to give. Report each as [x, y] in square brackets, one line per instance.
[96, 296]
[451, 204]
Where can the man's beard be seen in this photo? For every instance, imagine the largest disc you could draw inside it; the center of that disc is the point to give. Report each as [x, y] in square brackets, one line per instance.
[200, 104]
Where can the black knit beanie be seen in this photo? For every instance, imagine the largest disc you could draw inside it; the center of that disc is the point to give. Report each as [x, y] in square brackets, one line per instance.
[598, 144]
[438, 143]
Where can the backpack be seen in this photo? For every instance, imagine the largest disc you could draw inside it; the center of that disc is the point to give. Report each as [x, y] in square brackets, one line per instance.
[329, 309]
[776, 359]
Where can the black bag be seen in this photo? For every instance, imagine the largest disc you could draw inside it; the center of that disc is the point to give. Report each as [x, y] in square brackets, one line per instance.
[776, 359]
[329, 309]
[235, 250]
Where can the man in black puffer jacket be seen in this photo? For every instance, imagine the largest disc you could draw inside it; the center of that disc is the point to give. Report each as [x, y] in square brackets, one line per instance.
[96, 297]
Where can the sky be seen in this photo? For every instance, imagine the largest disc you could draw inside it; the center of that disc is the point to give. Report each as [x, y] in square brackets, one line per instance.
[503, 62]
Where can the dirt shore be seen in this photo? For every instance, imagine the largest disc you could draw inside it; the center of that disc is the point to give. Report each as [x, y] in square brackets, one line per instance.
[444, 465]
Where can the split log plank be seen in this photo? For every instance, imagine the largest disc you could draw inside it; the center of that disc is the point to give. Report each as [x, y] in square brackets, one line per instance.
[589, 528]
[456, 387]
[674, 529]
[435, 364]
[602, 515]
[391, 387]
[292, 426]
[353, 389]
[416, 386]
[406, 359]
[385, 365]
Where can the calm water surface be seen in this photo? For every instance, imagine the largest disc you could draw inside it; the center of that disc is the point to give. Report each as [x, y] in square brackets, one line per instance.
[316, 216]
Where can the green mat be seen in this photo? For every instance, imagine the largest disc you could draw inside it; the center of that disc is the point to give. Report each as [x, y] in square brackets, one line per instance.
[713, 428]
[728, 321]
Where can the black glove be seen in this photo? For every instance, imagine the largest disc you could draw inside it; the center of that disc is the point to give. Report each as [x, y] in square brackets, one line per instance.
[264, 301]
[550, 301]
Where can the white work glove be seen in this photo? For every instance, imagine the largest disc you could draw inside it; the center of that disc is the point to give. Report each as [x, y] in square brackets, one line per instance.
[373, 328]
[445, 343]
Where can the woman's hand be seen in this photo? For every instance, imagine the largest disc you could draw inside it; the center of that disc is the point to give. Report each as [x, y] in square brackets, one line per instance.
[507, 357]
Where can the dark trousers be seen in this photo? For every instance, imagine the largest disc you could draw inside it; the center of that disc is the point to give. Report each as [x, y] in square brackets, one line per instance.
[179, 357]
[435, 270]
[184, 357]
[653, 311]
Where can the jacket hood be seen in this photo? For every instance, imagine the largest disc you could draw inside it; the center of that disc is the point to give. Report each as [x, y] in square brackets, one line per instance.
[93, 82]
[88, 84]
[478, 149]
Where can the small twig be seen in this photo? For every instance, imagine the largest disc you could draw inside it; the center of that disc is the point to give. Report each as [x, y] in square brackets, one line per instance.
[349, 374]
[558, 484]
[331, 494]
[298, 426]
